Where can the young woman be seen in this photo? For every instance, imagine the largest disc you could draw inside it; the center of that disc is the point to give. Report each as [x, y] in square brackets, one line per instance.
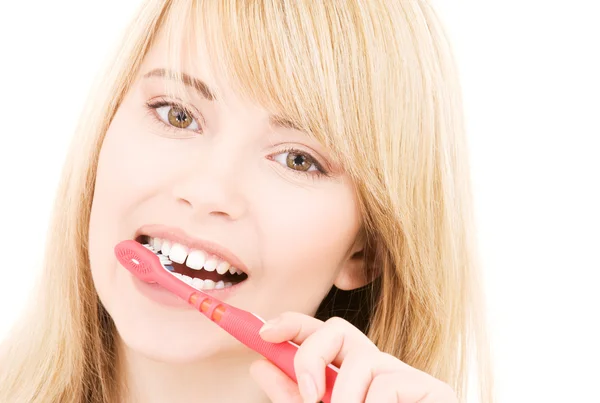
[302, 160]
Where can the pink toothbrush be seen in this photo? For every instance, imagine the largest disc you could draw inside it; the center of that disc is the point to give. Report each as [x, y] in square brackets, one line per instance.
[243, 325]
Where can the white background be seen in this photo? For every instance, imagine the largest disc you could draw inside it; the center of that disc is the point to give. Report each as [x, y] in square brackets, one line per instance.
[531, 87]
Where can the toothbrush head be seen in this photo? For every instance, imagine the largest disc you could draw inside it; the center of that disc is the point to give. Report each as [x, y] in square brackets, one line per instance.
[138, 260]
[145, 265]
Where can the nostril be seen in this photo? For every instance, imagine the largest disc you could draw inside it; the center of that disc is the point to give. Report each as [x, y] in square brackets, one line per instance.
[186, 202]
[219, 214]
[213, 201]
[214, 212]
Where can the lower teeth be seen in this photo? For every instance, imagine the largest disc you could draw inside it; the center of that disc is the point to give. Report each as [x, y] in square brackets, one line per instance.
[202, 284]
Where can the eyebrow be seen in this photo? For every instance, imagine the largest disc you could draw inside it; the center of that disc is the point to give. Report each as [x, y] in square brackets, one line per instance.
[186, 79]
[206, 93]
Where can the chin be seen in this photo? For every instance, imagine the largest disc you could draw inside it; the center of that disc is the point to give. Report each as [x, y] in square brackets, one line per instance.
[177, 342]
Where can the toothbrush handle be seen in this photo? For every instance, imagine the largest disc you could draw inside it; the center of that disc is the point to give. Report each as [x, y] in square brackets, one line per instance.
[244, 326]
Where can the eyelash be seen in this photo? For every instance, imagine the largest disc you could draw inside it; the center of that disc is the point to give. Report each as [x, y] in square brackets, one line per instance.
[152, 106]
[321, 171]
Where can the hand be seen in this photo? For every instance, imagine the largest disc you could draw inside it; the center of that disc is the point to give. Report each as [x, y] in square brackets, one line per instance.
[366, 374]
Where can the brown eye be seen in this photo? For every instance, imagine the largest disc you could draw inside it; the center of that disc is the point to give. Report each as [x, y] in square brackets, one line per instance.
[179, 118]
[175, 116]
[298, 162]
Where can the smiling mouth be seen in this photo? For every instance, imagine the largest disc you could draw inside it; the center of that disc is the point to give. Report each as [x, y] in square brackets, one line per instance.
[195, 267]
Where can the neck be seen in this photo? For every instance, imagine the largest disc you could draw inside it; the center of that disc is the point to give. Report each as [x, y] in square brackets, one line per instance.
[218, 379]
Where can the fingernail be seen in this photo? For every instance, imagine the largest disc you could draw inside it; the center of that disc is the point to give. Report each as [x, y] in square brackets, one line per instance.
[270, 324]
[266, 327]
[308, 389]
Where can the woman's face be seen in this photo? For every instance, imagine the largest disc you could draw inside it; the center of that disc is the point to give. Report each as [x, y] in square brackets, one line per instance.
[224, 186]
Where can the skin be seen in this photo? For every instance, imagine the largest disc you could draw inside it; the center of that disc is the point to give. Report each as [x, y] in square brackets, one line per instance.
[225, 179]
[366, 374]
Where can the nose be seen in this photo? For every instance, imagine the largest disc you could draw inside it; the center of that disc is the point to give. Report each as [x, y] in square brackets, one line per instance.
[211, 185]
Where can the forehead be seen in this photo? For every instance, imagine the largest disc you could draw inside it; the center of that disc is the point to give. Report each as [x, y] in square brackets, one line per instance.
[163, 55]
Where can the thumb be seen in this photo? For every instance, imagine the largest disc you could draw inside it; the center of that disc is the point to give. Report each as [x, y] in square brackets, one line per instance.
[276, 384]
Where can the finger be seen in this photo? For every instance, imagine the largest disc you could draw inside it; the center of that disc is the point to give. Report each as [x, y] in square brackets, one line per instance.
[292, 326]
[408, 386]
[329, 344]
[298, 327]
[358, 371]
[277, 385]
[353, 380]
[400, 387]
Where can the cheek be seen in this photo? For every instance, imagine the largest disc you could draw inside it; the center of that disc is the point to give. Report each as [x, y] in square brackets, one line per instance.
[127, 160]
[119, 178]
[130, 166]
[309, 234]
[113, 178]
[120, 186]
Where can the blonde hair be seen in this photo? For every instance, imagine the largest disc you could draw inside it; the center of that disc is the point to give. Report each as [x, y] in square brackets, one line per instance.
[375, 81]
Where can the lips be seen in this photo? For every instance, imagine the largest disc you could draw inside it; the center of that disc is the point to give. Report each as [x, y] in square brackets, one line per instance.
[210, 249]
[204, 269]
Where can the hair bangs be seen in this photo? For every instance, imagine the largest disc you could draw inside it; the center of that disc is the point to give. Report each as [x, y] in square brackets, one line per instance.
[299, 60]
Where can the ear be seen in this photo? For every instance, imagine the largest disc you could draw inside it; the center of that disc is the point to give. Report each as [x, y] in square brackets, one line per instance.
[353, 272]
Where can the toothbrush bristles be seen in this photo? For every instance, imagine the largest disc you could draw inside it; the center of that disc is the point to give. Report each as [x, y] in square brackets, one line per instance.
[164, 260]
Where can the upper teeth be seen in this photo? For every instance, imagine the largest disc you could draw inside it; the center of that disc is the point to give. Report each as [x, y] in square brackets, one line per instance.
[194, 259]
